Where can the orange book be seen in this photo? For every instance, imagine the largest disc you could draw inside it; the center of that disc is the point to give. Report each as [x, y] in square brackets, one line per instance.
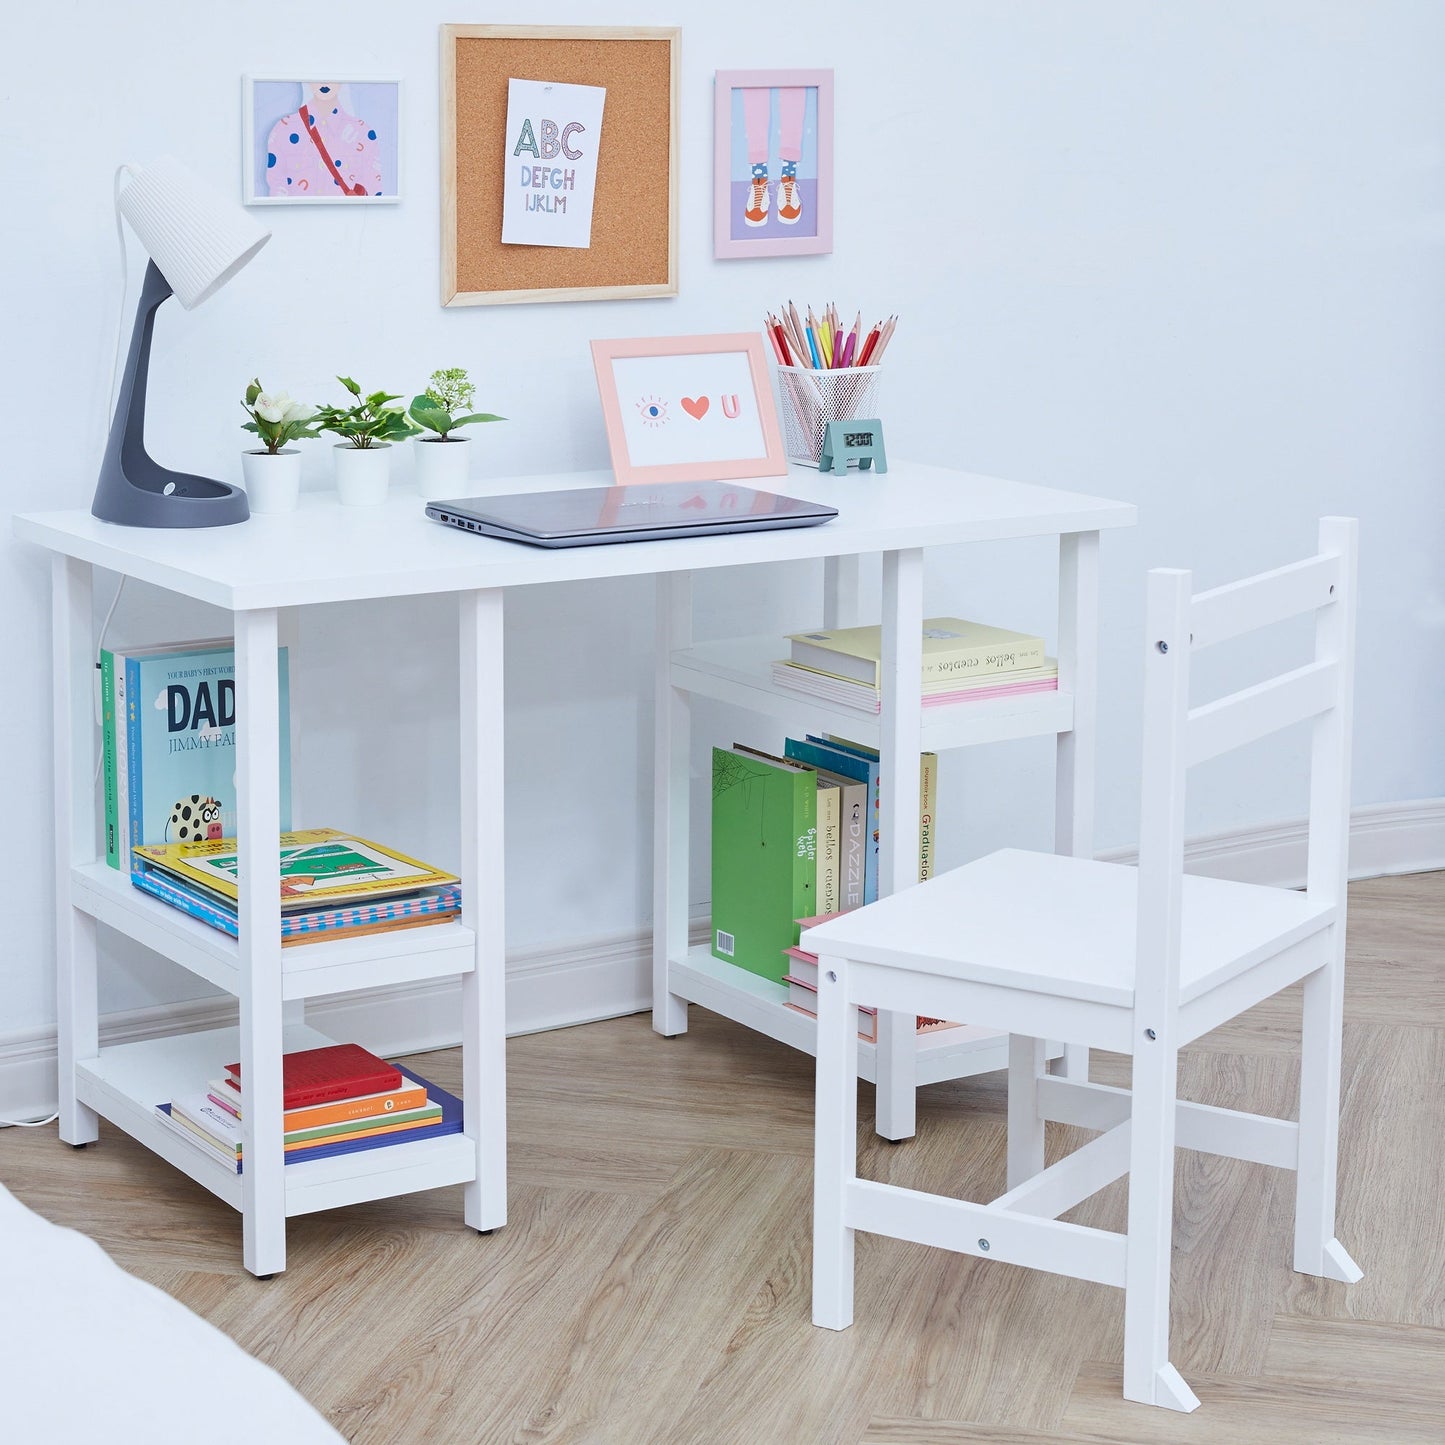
[339, 1111]
[381, 1128]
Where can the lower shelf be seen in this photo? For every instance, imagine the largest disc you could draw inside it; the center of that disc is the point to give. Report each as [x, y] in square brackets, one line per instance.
[760, 1004]
[125, 1083]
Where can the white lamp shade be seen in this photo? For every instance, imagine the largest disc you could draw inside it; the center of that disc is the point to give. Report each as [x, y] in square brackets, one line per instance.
[197, 237]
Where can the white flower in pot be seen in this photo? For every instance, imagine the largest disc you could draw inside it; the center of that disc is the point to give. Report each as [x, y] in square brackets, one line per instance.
[272, 471]
[363, 457]
[443, 462]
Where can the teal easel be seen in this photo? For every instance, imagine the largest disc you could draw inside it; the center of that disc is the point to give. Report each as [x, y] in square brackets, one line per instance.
[860, 440]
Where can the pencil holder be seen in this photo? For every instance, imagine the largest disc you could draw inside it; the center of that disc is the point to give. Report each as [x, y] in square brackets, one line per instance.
[811, 399]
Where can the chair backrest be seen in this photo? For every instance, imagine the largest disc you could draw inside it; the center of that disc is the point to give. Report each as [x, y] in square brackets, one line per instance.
[1177, 736]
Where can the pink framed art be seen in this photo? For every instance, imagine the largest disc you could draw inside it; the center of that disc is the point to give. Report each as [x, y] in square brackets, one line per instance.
[772, 163]
[688, 408]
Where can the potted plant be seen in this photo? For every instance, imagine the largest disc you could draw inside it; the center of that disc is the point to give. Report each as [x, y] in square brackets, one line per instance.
[272, 471]
[443, 461]
[363, 458]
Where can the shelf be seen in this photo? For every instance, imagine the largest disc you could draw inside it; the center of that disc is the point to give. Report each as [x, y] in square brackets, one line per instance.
[760, 1004]
[126, 1083]
[308, 970]
[740, 672]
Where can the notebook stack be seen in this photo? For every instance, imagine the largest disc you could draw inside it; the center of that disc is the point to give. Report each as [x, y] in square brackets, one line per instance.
[340, 1099]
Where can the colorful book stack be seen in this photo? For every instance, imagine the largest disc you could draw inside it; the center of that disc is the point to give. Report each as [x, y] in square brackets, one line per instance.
[333, 885]
[340, 1099]
[962, 662]
[797, 836]
[802, 981]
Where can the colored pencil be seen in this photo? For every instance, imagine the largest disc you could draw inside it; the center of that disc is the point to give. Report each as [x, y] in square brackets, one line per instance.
[782, 341]
[869, 346]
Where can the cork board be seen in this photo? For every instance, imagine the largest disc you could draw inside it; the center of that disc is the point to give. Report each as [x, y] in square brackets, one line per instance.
[634, 218]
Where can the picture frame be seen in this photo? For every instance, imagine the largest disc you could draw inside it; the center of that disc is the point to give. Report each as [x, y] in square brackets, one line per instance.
[772, 163]
[364, 127]
[634, 241]
[688, 408]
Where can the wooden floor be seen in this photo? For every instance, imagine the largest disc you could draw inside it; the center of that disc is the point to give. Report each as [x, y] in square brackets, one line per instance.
[653, 1285]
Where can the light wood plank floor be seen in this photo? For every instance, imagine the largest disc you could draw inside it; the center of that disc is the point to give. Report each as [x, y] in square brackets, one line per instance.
[653, 1285]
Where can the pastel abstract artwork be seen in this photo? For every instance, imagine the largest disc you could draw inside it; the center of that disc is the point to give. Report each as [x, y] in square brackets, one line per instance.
[773, 164]
[332, 141]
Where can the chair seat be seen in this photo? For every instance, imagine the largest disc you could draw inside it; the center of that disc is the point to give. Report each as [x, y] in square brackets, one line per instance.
[1065, 926]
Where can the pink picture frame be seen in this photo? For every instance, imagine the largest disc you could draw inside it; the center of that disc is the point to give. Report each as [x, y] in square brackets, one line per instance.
[688, 408]
[772, 163]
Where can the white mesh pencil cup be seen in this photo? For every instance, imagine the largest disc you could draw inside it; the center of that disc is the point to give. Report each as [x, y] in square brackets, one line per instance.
[811, 399]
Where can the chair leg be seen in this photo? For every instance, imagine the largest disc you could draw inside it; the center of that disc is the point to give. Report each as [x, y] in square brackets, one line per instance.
[1148, 1376]
[1316, 1250]
[835, 1150]
[1025, 1126]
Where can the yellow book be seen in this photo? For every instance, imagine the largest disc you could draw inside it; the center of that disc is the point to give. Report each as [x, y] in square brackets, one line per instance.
[953, 648]
[830, 846]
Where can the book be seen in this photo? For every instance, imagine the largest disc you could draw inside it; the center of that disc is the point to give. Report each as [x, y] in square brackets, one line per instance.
[171, 752]
[927, 799]
[318, 865]
[947, 693]
[952, 647]
[867, 1018]
[830, 850]
[817, 753]
[337, 1071]
[388, 1103]
[439, 905]
[764, 857]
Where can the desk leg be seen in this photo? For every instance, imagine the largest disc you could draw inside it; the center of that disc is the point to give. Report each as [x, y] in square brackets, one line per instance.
[73, 699]
[258, 826]
[671, 801]
[288, 635]
[901, 742]
[1078, 674]
[484, 989]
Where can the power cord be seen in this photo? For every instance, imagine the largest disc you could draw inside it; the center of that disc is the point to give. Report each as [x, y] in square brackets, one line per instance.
[28, 1123]
[99, 645]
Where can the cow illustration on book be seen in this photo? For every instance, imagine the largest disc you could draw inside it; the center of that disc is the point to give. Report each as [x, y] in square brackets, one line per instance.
[194, 819]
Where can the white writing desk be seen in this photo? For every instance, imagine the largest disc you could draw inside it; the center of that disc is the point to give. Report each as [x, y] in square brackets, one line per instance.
[327, 553]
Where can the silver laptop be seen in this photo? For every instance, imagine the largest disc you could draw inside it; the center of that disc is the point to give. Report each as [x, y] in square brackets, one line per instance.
[590, 516]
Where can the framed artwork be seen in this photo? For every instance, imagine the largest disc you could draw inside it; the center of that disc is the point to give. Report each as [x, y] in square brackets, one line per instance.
[320, 142]
[688, 408]
[772, 163]
[559, 163]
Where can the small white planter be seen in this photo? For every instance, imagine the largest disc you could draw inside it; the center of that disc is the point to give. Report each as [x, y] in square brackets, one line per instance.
[363, 474]
[442, 467]
[273, 482]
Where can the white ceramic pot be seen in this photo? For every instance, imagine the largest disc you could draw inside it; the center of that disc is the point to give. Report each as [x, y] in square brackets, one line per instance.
[363, 474]
[442, 467]
[273, 481]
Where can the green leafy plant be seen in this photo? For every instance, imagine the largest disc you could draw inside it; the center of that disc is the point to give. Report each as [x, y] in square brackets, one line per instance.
[447, 393]
[371, 421]
[276, 419]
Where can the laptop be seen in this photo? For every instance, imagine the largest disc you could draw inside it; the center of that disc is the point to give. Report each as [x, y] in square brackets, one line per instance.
[591, 516]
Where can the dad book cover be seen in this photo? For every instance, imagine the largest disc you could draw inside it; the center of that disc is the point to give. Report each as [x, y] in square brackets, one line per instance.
[180, 745]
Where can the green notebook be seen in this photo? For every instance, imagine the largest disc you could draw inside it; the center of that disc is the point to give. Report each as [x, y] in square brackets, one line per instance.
[764, 857]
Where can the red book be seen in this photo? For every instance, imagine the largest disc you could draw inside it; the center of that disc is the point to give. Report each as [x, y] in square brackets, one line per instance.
[339, 1071]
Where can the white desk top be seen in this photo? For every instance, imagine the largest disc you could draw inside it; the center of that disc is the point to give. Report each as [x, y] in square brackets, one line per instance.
[325, 552]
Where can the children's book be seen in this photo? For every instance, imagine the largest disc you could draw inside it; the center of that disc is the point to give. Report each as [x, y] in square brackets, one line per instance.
[319, 866]
[169, 747]
[927, 798]
[819, 753]
[764, 857]
[952, 647]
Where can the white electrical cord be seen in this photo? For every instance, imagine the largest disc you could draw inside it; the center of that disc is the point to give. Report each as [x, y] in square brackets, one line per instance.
[28, 1123]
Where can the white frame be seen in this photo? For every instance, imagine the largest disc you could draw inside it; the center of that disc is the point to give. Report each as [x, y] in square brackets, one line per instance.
[248, 166]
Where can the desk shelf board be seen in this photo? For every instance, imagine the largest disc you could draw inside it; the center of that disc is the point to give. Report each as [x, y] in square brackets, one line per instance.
[126, 1082]
[740, 672]
[761, 1005]
[309, 970]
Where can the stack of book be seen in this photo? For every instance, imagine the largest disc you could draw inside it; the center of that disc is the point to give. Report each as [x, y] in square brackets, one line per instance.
[333, 884]
[797, 836]
[802, 981]
[962, 662]
[341, 1099]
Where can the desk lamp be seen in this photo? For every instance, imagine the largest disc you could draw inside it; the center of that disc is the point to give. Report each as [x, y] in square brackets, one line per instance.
[196, 241]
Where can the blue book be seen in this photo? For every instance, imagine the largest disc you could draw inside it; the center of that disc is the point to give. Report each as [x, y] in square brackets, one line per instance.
[836, 758]
[180, 746]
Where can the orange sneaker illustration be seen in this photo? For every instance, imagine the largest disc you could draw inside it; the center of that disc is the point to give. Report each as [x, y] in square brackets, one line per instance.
[755, 211]
[790, 197]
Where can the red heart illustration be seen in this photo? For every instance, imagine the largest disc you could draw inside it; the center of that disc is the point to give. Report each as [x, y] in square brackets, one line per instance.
[693, 504]
[696, 408]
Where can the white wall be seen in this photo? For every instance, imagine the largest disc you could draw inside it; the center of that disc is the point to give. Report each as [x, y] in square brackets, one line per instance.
[1186, 254]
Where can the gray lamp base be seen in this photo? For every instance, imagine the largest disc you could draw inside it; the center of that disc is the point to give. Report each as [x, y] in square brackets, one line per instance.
[134, 490]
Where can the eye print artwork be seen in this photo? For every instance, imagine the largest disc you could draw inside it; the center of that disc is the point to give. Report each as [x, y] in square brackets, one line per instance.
[653, 411]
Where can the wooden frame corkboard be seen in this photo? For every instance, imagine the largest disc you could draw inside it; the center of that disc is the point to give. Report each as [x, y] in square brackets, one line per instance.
[634, 218]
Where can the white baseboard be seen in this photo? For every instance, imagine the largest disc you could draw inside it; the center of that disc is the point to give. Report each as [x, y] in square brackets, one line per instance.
[552, 988]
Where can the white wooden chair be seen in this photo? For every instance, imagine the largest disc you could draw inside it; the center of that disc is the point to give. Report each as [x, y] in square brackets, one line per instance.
[1136, 960]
